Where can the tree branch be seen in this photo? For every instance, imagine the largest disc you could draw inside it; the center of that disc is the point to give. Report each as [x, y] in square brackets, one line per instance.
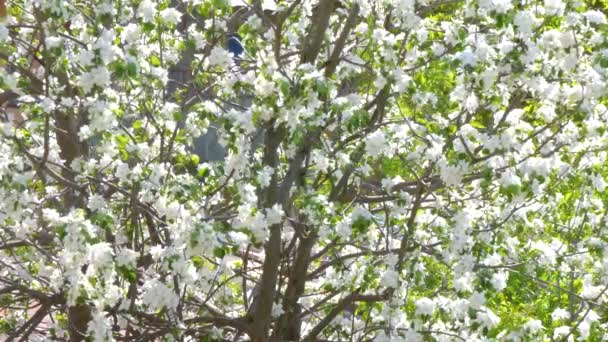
[341, 306]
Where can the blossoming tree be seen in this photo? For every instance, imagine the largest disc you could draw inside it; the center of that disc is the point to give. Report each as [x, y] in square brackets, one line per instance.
[427, 170]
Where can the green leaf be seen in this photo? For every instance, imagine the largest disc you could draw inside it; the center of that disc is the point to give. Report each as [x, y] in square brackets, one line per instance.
[477, 124]
[131, 70]
[128, 273]
[155, 61]
[178, 116]
[219, 252]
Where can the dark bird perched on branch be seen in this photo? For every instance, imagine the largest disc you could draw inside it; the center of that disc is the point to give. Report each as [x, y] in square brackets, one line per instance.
[234, 45]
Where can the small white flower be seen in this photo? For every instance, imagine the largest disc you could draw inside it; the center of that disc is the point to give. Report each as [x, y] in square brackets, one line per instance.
[533, 326]
[559, 313]
[130, 33]
[126, 257]
[264, 176]
[199, 39]
[492, 260]
[219, 56]
[98, 328]
[48, 105]
[100, 255]
[99, 76]
[547, 255]
[343, 228]
[122, 172]
[584, 329]
[589, 290]
[11, 80]
[488, 319]
[239, 238]
[146, 11]
[595, 17]
[598, 183]
[471, 103]
[171, 210]
[157, 252]
[477, 300]
[547, 112]
[3, 33]
[360, 212]
[157, 295]
[499, 281]
[467, 57]
[502, 6]
[535, 165]
[438, 49]
[264, 87]
[425, 306]
[509, 178]
[410, 335]
[96, 202]
[274, 215]
[380, 82]
[375, 144]
[258, 226]
[53, 42]
[169, 109]
[554, 7]
[561, 331]
[171, 16]
[85, 57]
[452, 175]
[390, 279]
[524, 21]
[277, 310]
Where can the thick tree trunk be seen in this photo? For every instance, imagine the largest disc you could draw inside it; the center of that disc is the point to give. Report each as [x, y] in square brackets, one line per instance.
[261, 307]
[67, 128]
[290, 323]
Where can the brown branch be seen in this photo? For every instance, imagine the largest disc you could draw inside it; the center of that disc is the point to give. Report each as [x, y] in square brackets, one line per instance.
[289, 323]
[318, 26]
[410, 225]
[14, 244]
[2, 9]
[317, 272]
[26, 329]
[332, 63]
[259, 313]
[340, 307]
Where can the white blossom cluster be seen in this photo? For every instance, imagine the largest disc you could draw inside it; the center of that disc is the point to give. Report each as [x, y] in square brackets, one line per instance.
[392, 170]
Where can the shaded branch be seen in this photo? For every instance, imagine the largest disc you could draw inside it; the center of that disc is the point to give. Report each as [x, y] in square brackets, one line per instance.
[340, 307]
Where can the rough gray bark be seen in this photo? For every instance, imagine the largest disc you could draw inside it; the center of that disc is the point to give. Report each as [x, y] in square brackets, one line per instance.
[260, 313]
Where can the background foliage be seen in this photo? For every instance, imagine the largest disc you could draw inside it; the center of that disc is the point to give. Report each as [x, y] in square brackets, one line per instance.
[395, 170]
